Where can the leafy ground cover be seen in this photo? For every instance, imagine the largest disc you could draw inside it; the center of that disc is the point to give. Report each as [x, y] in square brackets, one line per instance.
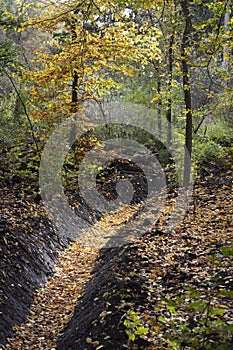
[29, 247]
[170, 291]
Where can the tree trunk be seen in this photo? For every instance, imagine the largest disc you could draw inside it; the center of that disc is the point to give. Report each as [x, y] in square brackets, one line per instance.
[187, 92]
[169, 105]
[74, 93]
[226, 54]
[159, 107]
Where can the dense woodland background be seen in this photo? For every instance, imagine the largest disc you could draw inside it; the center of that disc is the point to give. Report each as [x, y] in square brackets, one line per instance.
[176, 59]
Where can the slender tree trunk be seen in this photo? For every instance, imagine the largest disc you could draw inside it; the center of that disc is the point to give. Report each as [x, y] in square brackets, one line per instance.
[159, 107]
[225, 59]
[71, 25]
[187, 91]
[169, 105]
[74, 99]
[74, 109]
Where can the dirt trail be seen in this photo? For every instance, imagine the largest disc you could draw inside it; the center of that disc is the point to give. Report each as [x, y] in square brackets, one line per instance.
[54, 304]
[166, 264]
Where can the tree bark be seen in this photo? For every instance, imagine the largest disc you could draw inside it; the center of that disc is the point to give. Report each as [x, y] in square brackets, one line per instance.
[159, 107]
[225, 60]
[185, 44]
[74, 98]
[169, 105]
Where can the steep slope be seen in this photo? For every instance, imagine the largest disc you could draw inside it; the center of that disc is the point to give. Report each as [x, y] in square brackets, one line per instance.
[29, 247]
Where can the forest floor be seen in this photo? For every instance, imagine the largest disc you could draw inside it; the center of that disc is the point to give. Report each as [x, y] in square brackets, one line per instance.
[162, 291]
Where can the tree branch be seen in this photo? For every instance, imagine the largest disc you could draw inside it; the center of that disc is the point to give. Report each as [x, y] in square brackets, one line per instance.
[24, 108]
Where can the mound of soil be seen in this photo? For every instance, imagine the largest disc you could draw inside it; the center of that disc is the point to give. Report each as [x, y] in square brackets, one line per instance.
[29, 247]
[29, 244]
[97, 320]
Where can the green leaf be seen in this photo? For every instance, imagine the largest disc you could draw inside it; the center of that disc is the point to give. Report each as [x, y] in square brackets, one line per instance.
[226, 251]
[141, 330]
[197, 305]
[173, 343]
[218, 311]
[127, 323]
[131, 334]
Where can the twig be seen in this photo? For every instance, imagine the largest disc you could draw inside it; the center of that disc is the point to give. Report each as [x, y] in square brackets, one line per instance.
[25, 110]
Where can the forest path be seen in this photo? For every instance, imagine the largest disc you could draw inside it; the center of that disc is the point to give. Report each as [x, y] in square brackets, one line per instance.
[55, 302]
[192, 247]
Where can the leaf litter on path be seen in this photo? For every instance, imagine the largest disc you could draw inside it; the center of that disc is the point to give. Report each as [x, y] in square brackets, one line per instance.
[55, 302]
